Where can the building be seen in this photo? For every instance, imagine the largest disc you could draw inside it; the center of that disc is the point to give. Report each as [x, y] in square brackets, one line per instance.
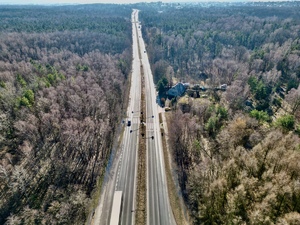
[177, 90]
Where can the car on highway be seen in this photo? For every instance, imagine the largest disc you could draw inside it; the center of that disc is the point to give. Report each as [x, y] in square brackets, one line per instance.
[128, 123]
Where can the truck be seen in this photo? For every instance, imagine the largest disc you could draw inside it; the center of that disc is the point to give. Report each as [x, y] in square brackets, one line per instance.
[116, 211]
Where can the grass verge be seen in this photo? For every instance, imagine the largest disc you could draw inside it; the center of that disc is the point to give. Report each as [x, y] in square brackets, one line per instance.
[172, 190]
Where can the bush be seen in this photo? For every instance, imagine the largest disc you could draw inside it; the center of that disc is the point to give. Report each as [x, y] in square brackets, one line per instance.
[222, 112]
[160, 87]
[21, 80]
[2, 84]
[30, 96]
[287, 122]
[24, 102]
[211, 125]
[260, 115]
[258, 88]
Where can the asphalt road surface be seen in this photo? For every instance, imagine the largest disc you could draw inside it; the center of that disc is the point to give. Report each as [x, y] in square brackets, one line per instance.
[158, 207]
[126, 177]
[122, 174]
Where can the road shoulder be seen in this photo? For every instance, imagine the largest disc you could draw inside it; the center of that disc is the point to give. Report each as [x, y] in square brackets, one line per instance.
[178, 207]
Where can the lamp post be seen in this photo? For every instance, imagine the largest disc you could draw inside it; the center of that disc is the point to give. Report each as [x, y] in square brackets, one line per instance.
[143, 135]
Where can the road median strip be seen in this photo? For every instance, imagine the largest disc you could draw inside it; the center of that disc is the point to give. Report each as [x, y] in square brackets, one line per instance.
[141, 189]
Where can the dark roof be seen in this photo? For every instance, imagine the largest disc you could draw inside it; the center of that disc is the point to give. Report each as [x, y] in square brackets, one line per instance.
[177, 90]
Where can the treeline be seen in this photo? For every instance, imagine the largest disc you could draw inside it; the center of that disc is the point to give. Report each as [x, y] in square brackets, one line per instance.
[61, 97]
[236, 151]
[93, 17]
[204, 43]
[107, 26]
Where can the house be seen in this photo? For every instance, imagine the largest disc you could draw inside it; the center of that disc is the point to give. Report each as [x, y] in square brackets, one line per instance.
[223, 87]
[177, 90]
[186, 85]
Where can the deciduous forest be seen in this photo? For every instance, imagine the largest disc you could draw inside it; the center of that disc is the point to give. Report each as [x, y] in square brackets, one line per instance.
[63, 74]
[236, 150]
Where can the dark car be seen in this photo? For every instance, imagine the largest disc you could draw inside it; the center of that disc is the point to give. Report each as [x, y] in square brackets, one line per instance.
[128, 123]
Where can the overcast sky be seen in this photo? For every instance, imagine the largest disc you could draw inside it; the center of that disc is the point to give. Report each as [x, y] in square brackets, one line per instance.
[108, 1]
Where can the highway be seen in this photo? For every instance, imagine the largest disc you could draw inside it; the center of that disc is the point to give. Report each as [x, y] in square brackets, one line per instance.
[122, 174]
[126, 178]
[158, 207]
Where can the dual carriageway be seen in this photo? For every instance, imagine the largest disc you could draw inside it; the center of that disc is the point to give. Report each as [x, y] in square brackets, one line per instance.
[122, 176]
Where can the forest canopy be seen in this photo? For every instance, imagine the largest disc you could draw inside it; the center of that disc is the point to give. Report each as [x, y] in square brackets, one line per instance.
[63, 72]
[237, 149]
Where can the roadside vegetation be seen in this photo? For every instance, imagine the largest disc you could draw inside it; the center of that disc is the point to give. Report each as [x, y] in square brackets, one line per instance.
[63, 72]
[236, 150]
[63, 75]
[141, 184]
